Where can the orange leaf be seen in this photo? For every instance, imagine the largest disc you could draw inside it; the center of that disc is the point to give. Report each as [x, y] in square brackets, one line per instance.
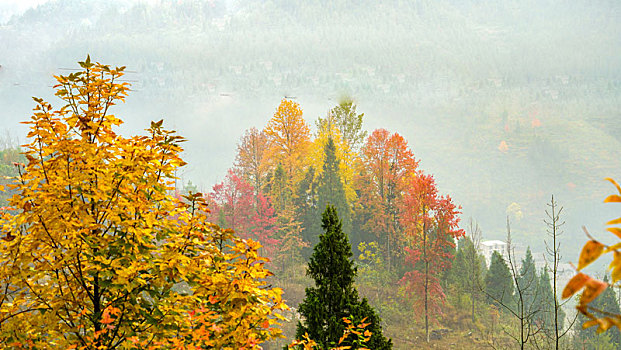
[604, 324]
[590, 252]
[575, 284]
[589, 323]
[614, 183]
[105, 317]
[615, 230]
[613, 198]
[592, 290]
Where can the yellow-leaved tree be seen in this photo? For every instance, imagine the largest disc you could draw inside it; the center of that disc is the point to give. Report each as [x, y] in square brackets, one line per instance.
[96, 252]
[288, 136]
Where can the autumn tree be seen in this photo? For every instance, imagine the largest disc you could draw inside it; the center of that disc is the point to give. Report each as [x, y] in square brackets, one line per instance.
[430, 221]
[288, 253]
[233, 201]
[288, 136]
[236, 205]
[346, 158]
[251, 160]
[386, 164]
[97, 252]
[334, 296]
[347, 121]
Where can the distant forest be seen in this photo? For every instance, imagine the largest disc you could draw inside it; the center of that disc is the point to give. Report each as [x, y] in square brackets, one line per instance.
[523, 97]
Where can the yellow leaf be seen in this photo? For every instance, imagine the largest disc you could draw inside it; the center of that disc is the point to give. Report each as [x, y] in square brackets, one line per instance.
[590, 252]
[614, 222]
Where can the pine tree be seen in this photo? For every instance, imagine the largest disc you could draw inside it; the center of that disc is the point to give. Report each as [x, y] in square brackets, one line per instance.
[545, 301]
[331, 189]
[334, 296]
[306, 211]
[498, 281]
[527, 280]
[279, 190]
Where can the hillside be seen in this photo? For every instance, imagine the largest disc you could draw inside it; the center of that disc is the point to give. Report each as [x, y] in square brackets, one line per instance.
[457, 79]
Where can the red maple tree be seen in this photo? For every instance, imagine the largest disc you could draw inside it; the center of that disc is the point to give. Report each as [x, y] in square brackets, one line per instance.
[386, 163]
[431, 222]
[236, 205]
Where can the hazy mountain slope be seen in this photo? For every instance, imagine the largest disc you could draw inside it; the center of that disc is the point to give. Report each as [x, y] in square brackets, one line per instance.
[456, 78]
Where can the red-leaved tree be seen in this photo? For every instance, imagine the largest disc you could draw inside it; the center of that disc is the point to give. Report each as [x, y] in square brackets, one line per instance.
[237, 206]
[386, 164]
[431, 223]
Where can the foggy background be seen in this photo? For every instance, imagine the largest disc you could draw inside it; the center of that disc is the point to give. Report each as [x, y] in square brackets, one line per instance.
[505, 102]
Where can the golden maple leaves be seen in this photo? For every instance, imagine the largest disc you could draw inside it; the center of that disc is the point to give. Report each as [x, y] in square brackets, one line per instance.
[101, 255]
[592, 287]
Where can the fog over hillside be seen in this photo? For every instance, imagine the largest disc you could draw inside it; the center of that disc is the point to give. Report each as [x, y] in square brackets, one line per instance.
[504, 102]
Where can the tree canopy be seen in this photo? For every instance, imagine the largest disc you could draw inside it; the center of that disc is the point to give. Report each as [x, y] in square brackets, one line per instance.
[96, 251]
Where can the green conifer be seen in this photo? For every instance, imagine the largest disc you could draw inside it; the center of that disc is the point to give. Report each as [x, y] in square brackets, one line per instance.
[334, 296]
[498, 282]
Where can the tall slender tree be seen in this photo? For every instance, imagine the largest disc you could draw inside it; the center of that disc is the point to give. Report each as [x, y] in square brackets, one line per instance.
[334, 297]
[251, 161]
[431, 222]
[553, 247]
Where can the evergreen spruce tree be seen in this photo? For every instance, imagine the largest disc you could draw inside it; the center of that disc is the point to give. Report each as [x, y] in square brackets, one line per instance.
[545, 301]
[306, 211]
[527, 280]
[279, 190]
[498, 282]
[463, 276]
[330, 190]
[458, 274]
[334, 296]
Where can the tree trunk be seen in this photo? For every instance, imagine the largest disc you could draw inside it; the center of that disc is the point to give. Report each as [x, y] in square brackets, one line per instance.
[426, 295]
